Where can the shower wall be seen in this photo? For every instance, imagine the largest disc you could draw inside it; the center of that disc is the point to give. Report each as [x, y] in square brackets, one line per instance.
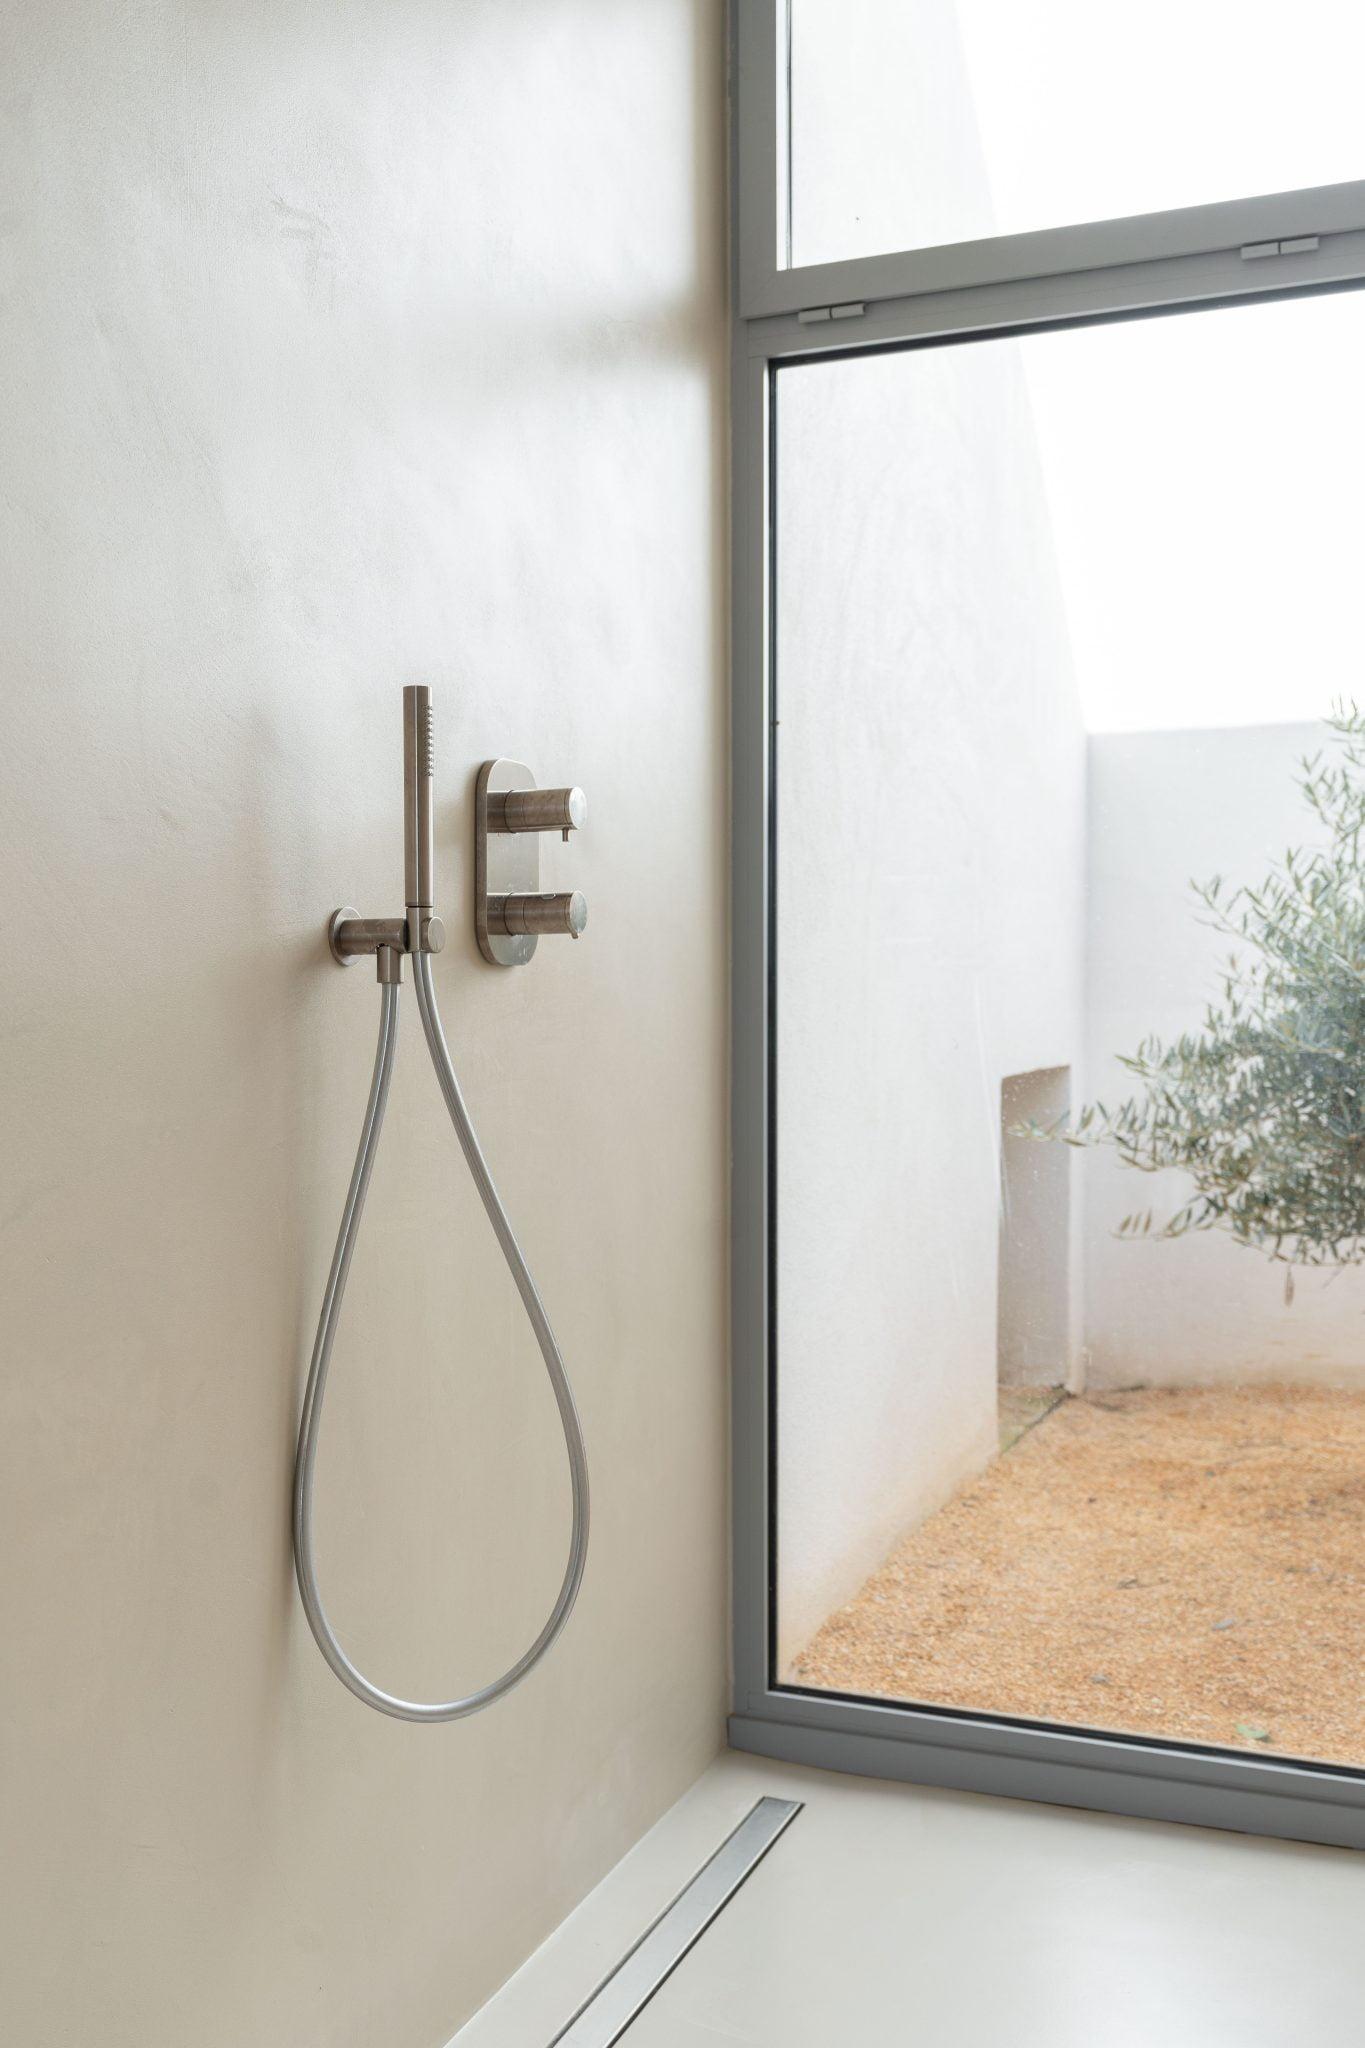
[346, 346]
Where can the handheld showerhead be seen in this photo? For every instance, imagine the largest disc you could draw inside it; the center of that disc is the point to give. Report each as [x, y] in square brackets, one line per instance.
[419, 835]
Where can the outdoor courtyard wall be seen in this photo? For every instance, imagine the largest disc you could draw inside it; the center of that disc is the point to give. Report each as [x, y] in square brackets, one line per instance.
[1166, 808]
[930, 776]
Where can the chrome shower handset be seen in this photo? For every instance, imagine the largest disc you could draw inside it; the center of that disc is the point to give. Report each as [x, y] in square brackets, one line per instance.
[419, 830]
[420, 934]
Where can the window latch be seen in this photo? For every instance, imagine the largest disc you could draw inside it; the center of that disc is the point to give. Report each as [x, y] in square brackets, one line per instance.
[811, 314]
[1295, 245]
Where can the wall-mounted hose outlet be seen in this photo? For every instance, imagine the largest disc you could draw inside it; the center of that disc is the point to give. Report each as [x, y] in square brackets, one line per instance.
[511, 910]
[351, 937]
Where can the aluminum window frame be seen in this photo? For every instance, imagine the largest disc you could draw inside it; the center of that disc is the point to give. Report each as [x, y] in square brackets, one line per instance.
[767, 283]
[1150, 265]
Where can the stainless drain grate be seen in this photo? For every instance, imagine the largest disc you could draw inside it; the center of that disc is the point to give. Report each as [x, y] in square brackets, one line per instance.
[634, 1981]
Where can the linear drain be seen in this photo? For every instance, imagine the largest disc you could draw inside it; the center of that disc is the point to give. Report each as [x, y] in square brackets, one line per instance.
[622, 1996]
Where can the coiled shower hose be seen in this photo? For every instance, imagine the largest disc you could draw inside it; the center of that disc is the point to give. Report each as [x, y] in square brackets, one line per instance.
[310, 1420]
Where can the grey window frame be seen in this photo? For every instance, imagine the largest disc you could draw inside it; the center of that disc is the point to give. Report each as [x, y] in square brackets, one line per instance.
[1149, 264]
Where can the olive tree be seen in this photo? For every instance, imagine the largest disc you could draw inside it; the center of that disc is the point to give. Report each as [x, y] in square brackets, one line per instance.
[1264, 1107]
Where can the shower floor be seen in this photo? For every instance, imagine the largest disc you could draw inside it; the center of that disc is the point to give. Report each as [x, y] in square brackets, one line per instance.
[1179, 1563]
[890, 1914]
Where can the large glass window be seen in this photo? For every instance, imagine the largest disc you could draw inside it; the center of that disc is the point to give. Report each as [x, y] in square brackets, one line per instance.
[1069, 845]
[946, 120]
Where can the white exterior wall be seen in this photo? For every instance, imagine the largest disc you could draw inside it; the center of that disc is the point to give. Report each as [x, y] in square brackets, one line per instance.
[930, 788]
[1166, 808]
[346, 346]
[886, 149]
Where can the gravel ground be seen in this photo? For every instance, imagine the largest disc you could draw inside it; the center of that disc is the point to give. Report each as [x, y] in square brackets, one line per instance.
[1187, 1563]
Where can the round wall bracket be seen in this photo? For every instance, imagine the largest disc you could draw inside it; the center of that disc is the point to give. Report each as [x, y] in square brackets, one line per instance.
[334, 924]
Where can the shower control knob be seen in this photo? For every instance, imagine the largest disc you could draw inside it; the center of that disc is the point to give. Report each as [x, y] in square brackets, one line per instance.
[512, 913]
[541, 915]
[538, 810]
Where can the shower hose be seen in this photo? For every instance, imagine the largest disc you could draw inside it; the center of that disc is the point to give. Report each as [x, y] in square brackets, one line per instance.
[311, 1418]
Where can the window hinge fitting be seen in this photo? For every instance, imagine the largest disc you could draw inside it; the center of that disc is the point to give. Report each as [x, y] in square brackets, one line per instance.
[1295, 245]
[811, 314]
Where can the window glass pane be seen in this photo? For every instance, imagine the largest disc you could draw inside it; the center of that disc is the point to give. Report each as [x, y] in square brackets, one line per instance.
[1059, 620]
[916, 122]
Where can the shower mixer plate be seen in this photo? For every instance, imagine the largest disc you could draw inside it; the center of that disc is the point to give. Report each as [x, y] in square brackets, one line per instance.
[505, 864]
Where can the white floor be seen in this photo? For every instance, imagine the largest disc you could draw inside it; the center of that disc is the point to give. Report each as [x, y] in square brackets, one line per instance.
[888, 1914]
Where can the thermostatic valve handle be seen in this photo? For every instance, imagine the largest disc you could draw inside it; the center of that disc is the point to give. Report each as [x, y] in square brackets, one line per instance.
[545, 914]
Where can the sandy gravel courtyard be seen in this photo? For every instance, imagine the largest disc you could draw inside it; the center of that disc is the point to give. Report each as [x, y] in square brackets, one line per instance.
[1186, 1563]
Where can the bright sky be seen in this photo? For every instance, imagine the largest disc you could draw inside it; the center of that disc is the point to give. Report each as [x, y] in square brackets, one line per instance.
[1088, 110]
[1206, 476]
[1206, 473]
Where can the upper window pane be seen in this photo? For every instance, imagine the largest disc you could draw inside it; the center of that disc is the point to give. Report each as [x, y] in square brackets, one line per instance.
[917, 122]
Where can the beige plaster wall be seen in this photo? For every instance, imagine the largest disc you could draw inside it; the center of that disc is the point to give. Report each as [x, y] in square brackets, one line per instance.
[345, 346]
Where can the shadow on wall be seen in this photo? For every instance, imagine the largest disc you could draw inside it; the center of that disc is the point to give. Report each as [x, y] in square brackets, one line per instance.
[1033, 1301]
